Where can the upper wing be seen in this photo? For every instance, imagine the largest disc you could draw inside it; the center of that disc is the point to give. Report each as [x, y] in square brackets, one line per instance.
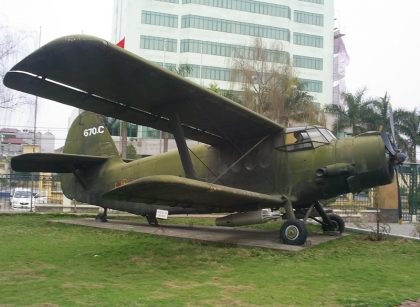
[192, 193]
[95, 75]
[54, 163]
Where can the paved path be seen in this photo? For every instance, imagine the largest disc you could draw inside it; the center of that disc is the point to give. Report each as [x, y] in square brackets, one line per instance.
[210, 234]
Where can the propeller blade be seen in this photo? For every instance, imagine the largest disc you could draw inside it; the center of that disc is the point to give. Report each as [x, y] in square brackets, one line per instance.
[388, 143]
[391, 123]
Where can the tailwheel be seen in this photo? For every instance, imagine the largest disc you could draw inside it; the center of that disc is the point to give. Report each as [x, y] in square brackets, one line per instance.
[102, 217]
[152, 220]
[293, 232]
[337, 224]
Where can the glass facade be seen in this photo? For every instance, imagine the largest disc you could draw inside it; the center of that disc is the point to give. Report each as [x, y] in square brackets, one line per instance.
[209, 72]
[228, 50]
[308, 40]
[309, 18]
[170, 1]
[113, 126]
[229, 26]
[247, 6]
[159, 19]
[307, 62]
[150, 133]
[169, 66]
[314, 1]
[311, 85]
[158, 43]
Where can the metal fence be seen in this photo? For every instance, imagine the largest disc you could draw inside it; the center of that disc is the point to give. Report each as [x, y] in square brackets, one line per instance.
[25, 191]
[408, 200]
[409, 190]
[46, 189]
[353, 203]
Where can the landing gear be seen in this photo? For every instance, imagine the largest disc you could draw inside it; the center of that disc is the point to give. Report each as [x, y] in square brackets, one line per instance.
[102, 217]
[293, 232]
[152, 220]
[331, 223]
[338, 224]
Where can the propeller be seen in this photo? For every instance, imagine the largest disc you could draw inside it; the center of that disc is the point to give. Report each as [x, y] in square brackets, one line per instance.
[397, 157]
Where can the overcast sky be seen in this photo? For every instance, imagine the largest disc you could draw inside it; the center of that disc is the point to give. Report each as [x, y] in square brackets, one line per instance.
[381, 38]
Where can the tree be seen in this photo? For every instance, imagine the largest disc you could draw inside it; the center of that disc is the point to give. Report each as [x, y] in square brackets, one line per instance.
[131, 152]
[270, 86]
[382, 109]
[10, 45]
[407, 125]
[356, 115]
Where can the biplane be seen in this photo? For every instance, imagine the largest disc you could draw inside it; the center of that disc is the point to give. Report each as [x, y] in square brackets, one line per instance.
[247, 166]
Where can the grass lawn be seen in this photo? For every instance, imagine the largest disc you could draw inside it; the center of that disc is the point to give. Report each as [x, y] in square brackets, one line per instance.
[49, 264]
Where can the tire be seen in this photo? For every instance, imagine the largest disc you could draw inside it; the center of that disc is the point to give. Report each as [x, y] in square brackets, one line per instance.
[339, 224]
[293, 232]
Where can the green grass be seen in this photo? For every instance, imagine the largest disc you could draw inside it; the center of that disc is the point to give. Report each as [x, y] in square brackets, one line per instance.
[43, 264]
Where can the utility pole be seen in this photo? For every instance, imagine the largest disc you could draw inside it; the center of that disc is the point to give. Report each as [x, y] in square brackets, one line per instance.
[164, 134]
[34, 136]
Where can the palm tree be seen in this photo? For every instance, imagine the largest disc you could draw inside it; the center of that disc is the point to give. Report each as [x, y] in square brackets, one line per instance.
[407, 125]
[381, 108]
[356, 115]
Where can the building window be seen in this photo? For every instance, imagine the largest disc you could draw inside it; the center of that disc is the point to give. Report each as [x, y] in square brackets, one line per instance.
[308, 40]
[113, 126]
[209, 72]
[169, 66]
[251, 6]
[314, 1]
[307, 62]
[158, 43]
[309, 18]
[229, 26]
[227, 50]
[311, 85]
[150, 133]
[159, 19]
[170, 1]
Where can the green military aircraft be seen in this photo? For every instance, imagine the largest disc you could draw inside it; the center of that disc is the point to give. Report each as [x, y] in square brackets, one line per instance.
[248, 165]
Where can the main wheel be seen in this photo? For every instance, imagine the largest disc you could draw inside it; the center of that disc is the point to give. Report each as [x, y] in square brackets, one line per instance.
[152, 220]
[293, 232]
[338, 223]
[101, 218]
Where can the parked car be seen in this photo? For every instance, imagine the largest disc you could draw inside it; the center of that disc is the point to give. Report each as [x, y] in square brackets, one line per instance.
[21, 199]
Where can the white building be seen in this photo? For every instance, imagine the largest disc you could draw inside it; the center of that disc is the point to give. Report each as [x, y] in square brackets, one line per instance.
[205, 33]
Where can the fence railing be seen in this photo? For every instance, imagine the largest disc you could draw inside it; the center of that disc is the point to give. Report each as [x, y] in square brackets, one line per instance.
[46, 189]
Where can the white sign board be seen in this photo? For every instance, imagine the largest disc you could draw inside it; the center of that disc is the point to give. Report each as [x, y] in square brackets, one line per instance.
[162, 214]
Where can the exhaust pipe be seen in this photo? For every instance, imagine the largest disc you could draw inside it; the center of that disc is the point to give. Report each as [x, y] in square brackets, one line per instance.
[248, 218]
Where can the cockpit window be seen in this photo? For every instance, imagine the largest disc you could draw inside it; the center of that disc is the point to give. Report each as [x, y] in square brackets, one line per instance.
[304, 138]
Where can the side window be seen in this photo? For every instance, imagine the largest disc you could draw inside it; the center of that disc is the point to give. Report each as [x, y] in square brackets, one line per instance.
[294, 141]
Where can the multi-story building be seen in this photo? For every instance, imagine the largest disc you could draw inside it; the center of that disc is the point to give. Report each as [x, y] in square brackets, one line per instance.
[206, 34]
[13, 141]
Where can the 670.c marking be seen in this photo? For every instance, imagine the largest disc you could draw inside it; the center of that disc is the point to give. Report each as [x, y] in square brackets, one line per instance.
[93, 131]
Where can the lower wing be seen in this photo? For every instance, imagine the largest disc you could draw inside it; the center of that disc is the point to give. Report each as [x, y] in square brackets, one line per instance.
[186, 192]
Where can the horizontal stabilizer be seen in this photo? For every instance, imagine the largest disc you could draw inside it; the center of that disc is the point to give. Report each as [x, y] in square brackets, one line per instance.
[53, 163]
[190, 193]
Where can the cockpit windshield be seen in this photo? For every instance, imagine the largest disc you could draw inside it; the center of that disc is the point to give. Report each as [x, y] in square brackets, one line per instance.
[301, 138]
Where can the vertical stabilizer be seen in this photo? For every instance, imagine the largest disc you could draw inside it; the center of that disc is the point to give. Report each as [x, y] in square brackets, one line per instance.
[88, 135]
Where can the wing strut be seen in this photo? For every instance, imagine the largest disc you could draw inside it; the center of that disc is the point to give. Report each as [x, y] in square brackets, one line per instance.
[176, 128]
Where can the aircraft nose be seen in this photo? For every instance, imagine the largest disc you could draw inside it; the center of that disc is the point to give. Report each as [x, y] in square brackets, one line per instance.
[373, 163]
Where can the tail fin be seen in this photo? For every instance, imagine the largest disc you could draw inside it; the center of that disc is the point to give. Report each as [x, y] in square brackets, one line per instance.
[88, 135]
